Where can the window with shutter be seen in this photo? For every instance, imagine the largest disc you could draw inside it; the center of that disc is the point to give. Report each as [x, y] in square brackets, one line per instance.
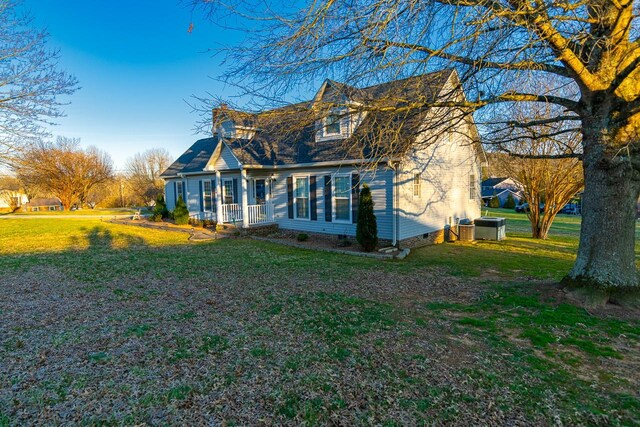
[342, 198]
[301, 199]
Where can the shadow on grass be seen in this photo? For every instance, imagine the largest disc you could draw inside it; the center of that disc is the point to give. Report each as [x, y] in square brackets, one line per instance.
[101, 238]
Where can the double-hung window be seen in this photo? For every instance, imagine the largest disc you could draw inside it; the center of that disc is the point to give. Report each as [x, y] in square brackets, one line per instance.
[417, 185]
[180, 191]
[227, 191]
[207, 196]
[342, 197]
[301, 198]
[332, 125]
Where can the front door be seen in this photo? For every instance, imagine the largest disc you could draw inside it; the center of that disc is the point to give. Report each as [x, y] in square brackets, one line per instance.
[260, 192]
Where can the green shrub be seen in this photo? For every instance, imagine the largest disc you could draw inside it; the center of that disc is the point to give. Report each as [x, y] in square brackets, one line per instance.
[367, 226]
[196, 222]
[210, 223]
[510, 203]
[156, 217]
[161, 207]
[302, 237]
[181, 213]
[494, 202]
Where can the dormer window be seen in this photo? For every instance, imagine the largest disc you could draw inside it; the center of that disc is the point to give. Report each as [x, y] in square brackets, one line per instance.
[332, 125]
[229, 129]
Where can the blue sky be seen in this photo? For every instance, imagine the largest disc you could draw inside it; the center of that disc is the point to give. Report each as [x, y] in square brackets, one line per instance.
[136, 64]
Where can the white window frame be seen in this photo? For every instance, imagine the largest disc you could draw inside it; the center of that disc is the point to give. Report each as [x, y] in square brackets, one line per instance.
[204, 196]
[224, 191]
[349, 198]
[180, 191]
[417, 185]
[254, 187]
[295, 199]
[325, 125]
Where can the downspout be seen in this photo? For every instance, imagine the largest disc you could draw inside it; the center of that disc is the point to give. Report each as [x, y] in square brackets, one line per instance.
[395, 222]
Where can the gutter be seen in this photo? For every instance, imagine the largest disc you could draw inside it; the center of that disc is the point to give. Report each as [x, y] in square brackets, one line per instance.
[317, 164]
[290, 166]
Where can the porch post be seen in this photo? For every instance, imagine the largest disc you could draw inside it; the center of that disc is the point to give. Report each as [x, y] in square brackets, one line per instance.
[245, 199]
[218, 198]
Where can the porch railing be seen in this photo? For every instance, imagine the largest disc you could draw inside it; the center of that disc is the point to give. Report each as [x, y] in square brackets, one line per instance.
[261, 214]
[232, 212]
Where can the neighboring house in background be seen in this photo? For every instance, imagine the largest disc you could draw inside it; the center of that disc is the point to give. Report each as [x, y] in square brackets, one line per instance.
[10, 199]
[501, 188]
[44, 204]
[258, 169]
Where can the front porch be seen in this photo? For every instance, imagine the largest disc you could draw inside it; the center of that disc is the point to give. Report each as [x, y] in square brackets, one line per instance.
[232, 213]
[235, 198]
[255, 214]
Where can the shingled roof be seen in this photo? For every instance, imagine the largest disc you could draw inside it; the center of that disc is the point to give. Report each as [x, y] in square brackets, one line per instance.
[194, 159]
[287, 135]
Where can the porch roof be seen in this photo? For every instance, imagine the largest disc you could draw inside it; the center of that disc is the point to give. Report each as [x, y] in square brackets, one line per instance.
[194, 159]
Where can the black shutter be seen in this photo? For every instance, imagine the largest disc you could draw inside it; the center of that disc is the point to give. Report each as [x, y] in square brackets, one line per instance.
[312, 196]
[355, 196]
[201, 197]
[290, 196]
[235, 190]
[175, 193]
[214, 200]
[327, 198]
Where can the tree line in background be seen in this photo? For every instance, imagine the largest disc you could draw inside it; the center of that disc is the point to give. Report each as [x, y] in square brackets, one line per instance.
[85, 177]
[31, 87]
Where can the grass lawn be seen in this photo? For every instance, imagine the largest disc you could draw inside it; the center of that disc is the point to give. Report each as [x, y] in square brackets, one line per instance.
[104, 324]
[81, 212]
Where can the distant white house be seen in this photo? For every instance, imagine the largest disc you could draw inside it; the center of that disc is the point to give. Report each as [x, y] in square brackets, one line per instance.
[501, 188]
[12, 199]
[254, 170]
[44, 204]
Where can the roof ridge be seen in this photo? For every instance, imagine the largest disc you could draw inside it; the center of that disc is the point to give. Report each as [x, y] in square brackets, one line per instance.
[432, 73]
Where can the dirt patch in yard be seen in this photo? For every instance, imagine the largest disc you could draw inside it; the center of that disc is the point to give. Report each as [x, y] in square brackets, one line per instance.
[277, 344]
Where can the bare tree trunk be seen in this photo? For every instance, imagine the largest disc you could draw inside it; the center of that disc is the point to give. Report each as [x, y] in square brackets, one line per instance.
[606, 256]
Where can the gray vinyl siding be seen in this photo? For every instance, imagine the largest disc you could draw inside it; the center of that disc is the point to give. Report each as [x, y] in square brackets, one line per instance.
[192, 192]
[380, 182]
[169, 193]
[226, 160]
[444, 169]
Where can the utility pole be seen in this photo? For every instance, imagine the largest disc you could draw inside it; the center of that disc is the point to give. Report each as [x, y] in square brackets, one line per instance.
[121, 193]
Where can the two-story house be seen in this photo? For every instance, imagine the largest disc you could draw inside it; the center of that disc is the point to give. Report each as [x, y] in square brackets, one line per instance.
[302, 166]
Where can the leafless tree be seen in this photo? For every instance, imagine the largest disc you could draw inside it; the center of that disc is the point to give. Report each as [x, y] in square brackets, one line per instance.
[30, 82]
[542, 157]
[143, 173]
[9, 188]
[590, 45]
[64, 169]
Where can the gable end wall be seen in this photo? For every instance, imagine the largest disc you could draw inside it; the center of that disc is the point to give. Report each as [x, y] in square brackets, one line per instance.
[444, 168]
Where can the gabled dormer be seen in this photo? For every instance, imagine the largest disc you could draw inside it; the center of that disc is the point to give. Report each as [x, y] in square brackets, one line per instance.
[233, 124]
[338, 111]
